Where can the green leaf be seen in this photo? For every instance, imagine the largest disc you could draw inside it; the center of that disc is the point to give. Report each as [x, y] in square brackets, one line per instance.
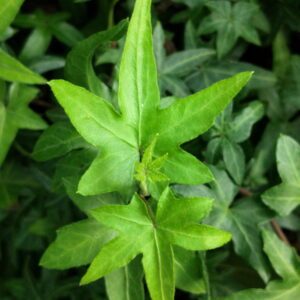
[188, 276]
[234, 160]
[56, 141]
[142, 231]
[286, 290]
[181, 63]
[214, 71]
[121, 138]
[36, 44]
[174, 85]
[287, 265]
[284, 259]
[230, 22]
[8, 11]
[190, 36]
[86, 203]
[241, 126]
[284, 198]
[126, 283]
[14, 179]
[198, 110]
[76, 244]
[242, 220]
[13, 70]
[79, 69]
[158, 45]
[288, 158]
[138, 88]
[17, 115]
[74, 164]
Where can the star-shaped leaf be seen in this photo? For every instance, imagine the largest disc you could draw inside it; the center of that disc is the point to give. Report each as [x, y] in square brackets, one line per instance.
[230, 22]
[286, 263]
[122, 138]
[142, 231]
[17, 115]
[285, 197]
[237, 219]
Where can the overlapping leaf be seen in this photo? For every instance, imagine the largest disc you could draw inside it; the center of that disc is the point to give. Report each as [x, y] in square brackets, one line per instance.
[8, 11]
[142, 231]
[122, 138]
[230, 22]
[285, 197]
[17, 115]
[286, 264]
[238, 220]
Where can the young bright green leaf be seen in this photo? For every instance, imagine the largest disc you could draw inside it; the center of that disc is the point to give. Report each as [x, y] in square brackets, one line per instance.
[56, 141]
[140, 231]
[286, 263]
[17, 115]
[8, 11]
[148, 170]
[138, 87]
[284, 198]
[198, 110]
[122, 138]
[79, 69]
[13, 70]
[76, 244]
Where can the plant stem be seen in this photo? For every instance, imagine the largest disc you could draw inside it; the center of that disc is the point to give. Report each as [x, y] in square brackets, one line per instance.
[22, 150]
[111, 21]
[279, 232]
[205, 275]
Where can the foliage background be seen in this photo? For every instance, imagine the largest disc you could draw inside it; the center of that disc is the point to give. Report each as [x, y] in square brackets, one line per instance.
[197, 42]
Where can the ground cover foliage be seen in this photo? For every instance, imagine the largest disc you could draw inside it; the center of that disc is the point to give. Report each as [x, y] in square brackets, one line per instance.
[149, 149]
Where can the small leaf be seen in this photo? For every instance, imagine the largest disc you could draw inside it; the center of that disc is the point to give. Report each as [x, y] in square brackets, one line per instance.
[284, 198]
[79, 69]
[13, 70]
[8, 11]
[56, 141]
[234, 160]
[241, 126]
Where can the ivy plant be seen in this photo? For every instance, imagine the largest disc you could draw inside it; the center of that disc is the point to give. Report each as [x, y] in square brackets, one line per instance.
[127, 171]
[138, 137]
